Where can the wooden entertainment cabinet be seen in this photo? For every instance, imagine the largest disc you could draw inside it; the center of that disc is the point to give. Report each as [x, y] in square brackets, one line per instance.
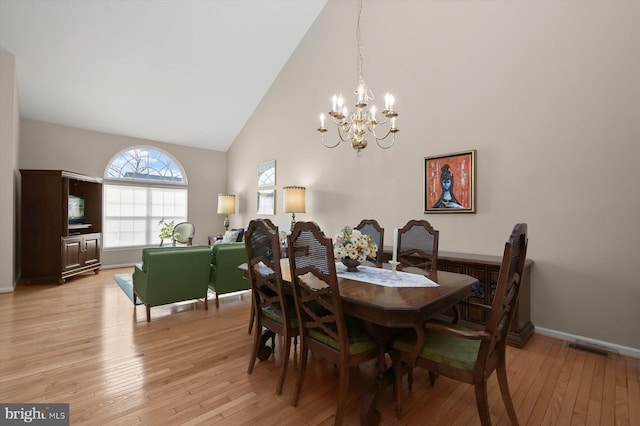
[486, 269]
[52, 248]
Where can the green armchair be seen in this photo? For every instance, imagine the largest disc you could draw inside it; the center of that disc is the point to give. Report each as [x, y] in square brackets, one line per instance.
[225, 276]
[169, 275]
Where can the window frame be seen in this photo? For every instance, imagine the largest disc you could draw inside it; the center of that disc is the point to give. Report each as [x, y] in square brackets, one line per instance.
[110, 181]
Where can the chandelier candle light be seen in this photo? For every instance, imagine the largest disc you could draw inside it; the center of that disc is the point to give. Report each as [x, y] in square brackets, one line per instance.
[353, 126]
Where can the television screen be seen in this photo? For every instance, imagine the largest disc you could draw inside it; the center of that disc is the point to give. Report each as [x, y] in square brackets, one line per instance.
[76, 209]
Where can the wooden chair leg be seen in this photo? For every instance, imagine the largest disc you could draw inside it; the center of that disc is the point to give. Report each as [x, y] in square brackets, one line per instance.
[257, 341]
[482, 401]
[217, 301]
[252, 318]
[343, 391]
[501, 372]
[398, 372]
[303, 366]
[206, 302]
[148, 313]
[285, 363]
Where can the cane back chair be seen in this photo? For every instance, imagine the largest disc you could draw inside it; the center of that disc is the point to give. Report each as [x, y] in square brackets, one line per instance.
[273, 308]
[324, 328]
[466, 355]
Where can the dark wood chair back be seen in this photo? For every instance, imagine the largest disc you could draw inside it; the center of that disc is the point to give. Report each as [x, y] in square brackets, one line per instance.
[273, 309]
[418, 245]
[467, 355]
[506, 296]
[315, 284]
[323, 326]
[372, 228]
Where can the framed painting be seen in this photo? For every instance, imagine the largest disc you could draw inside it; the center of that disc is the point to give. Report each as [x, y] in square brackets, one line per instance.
[267, 201]
[450, 183]
[267, 173]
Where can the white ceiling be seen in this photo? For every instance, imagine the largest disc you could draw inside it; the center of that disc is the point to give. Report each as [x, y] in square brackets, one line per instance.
[188, 72]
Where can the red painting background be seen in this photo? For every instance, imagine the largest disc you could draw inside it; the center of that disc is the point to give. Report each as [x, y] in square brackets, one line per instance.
[460, 166]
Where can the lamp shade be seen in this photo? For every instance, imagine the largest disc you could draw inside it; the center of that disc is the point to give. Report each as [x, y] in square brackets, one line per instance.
[294, 199]
[226, 204]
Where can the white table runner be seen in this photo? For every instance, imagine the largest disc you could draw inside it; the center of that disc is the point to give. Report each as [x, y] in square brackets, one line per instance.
[382, 277]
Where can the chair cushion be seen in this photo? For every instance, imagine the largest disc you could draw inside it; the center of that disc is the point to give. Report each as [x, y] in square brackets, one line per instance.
[359, 339]
[272, 314]
[442, 348]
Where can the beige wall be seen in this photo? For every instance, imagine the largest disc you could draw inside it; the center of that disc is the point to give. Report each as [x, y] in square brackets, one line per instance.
[50, 146]
[9, 136]
[546, 92]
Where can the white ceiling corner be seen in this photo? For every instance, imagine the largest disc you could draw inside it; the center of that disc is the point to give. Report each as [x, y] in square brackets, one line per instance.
[187, 72]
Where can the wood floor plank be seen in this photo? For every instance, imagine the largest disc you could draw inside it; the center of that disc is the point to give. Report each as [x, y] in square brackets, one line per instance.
[84, 343]
[633, 373]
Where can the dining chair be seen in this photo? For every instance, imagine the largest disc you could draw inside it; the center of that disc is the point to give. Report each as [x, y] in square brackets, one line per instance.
[372, 228]
[273, 308]
[324, 328]
[467, 355]
[183, 233]
[418, 246]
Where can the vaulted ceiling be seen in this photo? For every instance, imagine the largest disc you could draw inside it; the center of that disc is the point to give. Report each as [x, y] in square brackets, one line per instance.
[187, 72]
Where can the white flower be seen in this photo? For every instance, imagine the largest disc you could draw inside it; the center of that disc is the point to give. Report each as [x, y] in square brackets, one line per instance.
[353, 244]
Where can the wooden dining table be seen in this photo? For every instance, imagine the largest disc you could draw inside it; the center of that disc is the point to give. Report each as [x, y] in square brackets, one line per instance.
[388, 310]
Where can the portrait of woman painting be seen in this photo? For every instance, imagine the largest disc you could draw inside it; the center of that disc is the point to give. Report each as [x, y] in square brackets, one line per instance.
[450, 183]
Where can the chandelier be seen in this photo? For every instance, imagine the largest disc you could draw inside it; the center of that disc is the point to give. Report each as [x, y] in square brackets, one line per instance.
[354, 126]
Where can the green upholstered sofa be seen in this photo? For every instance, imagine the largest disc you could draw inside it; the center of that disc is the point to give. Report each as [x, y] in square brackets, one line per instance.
[169, 275]
[225, 276]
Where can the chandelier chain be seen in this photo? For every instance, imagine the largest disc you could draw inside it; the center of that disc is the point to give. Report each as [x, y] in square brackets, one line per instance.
[359, 41]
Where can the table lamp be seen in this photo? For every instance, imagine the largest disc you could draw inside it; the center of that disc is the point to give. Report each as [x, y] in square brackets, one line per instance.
[226, 206]
[294, 201]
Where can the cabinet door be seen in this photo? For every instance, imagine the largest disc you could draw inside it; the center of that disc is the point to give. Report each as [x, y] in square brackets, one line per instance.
[91, 249]
[72, 253]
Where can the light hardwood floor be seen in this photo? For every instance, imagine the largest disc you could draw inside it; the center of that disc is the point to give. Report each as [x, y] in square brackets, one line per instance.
[84, 343]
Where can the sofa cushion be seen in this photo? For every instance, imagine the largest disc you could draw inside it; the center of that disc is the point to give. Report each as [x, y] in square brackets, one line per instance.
[231, 236]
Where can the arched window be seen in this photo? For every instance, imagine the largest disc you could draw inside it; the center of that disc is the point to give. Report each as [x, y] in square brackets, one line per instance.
[142, 186]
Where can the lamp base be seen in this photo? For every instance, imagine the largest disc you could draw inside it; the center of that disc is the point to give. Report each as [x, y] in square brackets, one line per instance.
[293, 221]
[226, 223]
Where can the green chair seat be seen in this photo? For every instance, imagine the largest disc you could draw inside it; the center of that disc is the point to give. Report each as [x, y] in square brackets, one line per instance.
[272, 314]
[359, 339]
[442, 348]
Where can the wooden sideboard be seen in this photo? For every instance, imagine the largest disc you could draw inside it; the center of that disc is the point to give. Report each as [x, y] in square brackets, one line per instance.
[486, 269]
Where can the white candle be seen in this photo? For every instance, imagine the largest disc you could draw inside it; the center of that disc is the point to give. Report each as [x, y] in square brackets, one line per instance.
[334, 102]
[373, 113]
[322, 121]
[395, 245]
[360, 94]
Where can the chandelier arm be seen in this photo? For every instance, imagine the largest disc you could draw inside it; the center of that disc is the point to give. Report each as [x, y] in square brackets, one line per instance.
[393, 141]
[384, 137]
[342, 139]
[330, 146]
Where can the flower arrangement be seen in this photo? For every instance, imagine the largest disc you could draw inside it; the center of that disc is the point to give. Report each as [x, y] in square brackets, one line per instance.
[353, 244]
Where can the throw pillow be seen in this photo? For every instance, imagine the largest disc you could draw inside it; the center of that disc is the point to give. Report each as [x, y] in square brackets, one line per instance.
[230, 236]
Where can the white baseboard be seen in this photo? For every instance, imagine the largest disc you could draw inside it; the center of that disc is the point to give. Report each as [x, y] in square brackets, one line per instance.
[122, 265]
[624, 350]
